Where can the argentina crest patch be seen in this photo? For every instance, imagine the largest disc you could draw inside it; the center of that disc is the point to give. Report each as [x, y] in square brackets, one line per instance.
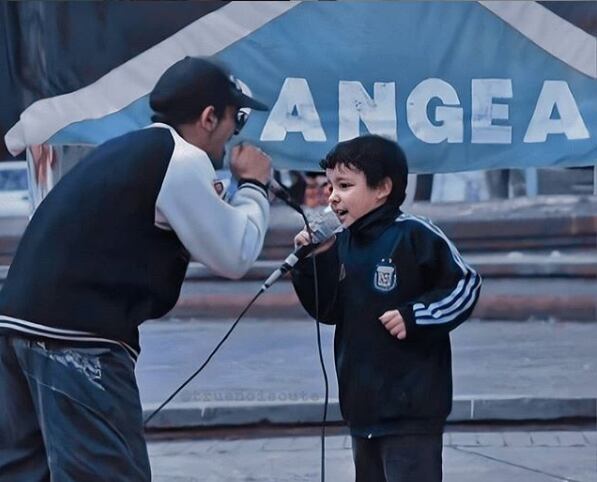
[385, 276]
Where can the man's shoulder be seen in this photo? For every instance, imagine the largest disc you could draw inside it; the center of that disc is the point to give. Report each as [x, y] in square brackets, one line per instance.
[153, 136]
[149, 139]
[146, 147]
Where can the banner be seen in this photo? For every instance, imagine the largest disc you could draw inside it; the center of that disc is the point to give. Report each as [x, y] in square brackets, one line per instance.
[460, 85]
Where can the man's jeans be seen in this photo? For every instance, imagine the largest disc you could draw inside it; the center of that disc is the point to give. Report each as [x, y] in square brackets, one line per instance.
[69, 413]
[398, 458]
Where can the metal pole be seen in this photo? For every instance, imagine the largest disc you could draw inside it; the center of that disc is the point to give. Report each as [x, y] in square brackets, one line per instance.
[531, 181]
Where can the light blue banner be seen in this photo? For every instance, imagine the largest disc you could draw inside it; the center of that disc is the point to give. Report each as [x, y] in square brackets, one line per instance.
[456, 85]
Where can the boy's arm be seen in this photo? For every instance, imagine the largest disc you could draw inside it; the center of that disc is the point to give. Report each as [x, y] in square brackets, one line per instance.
[452, 286]
[303, 280]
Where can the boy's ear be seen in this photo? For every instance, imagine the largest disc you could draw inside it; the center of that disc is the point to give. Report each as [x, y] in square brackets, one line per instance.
[208, 119]
[385, 188]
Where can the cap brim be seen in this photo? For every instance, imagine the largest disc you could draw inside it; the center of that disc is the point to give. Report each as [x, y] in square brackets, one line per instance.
[246, 101]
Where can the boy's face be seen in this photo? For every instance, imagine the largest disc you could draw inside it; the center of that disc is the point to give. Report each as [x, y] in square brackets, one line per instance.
[351, 197]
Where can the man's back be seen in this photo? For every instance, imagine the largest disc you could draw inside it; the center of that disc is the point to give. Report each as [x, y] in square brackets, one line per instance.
[91, 258]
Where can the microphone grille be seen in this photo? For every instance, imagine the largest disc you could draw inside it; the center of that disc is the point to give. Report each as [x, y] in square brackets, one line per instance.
[323, 224]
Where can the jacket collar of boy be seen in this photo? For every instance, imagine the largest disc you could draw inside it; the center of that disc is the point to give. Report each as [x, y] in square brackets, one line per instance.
[375, 222]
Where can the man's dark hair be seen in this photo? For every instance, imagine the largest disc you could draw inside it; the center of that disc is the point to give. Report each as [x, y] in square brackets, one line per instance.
[377, 157]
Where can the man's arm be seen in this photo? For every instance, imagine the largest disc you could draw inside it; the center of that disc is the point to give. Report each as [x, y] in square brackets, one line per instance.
[227, 238]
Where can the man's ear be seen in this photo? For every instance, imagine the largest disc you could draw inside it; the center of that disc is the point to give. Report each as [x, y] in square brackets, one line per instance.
[208, 118]
[385, 188]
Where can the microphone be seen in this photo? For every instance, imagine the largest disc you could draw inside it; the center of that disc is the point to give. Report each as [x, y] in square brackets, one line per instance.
[323, 226]
[282, 193]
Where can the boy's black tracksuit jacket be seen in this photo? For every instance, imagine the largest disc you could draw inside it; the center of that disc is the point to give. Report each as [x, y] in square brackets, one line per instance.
[384, 261]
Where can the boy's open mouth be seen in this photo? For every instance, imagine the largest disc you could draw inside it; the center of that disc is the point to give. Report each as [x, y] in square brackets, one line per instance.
[341, 212]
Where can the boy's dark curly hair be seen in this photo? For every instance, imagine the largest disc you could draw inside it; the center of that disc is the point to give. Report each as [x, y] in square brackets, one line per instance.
[377, 157]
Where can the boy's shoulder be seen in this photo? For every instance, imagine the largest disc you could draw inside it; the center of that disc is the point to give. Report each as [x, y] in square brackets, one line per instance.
[421, 227]
[416, 223]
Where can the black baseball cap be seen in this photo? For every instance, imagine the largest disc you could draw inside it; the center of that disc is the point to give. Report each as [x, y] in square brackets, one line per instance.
[193, 83]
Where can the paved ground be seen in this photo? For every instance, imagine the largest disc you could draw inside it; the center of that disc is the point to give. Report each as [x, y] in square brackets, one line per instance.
[269, 370]
[545, 456]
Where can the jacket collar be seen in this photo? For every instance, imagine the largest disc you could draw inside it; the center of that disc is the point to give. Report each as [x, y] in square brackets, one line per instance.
[375, 222]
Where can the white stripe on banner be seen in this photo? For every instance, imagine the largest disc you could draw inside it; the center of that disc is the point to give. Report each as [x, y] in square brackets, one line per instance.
[128, 82]
[458, 297]
[551, 32]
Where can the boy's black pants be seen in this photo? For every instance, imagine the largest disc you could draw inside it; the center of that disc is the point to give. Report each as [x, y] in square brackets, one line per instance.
[398, 458]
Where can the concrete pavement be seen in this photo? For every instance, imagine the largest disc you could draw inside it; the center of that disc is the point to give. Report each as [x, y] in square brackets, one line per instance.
[268, 372]
[545, 456]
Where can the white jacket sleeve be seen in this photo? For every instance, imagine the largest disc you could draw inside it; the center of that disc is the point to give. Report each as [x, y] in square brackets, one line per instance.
[227, 238]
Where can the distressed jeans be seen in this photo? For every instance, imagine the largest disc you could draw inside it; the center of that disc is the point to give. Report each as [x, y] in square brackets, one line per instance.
[69, 413]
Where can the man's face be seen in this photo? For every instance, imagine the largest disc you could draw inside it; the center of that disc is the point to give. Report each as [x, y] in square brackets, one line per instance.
[222, 133]
[351, 197]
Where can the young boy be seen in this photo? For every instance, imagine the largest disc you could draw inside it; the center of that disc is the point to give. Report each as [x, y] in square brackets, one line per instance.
[394, 286]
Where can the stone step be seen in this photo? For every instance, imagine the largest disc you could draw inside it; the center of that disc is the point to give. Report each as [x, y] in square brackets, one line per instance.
[512, 264]
[541, 223]
[517, 286]
[555, 222]
[578, 264]
[518, 299]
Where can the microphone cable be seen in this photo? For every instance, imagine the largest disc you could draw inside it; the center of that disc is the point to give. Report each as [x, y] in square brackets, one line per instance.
[200, 369]
[322, 363]
[281, 193]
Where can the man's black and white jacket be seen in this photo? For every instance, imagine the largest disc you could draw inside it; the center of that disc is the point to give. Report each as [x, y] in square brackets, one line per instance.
[390, 260]
[109, 246]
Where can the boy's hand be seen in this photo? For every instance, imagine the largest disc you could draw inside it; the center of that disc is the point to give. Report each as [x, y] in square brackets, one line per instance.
[394, 323]
[302, 239]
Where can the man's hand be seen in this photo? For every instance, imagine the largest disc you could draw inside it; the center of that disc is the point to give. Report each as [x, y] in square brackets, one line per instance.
[394, 323]
[250, 162]
[302, 239]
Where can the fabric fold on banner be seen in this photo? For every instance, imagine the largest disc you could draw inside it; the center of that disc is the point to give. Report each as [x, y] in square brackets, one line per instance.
[134, 79]
[561, 39]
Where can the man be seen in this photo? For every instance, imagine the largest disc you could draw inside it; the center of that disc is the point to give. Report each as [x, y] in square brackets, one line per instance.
[106, 250]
